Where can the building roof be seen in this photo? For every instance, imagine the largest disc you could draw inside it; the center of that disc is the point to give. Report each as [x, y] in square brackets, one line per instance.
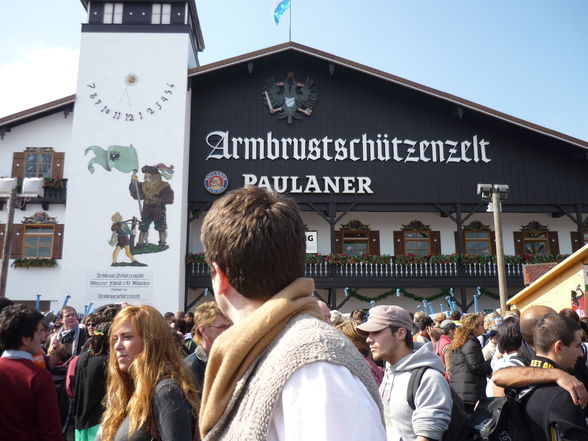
[251, 56]
[51, 107]
[579, 256]
[33, 113]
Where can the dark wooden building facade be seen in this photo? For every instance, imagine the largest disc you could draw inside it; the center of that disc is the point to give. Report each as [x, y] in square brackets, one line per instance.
[377, 143]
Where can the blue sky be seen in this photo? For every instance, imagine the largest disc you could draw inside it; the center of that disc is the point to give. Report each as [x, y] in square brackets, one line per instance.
[527, 58]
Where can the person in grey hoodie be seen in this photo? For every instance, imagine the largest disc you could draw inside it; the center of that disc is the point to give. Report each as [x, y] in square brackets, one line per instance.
[387, 331]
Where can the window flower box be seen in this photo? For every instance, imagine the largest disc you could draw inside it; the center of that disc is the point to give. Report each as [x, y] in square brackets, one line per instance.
[31, 262]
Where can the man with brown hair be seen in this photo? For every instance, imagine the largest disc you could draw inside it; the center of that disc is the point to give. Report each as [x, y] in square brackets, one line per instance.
[68, 340]
[28, 403]
[519, 377]
[549, 411]
[279, 371]
[387, 331]
[70, 334]
[209, 323]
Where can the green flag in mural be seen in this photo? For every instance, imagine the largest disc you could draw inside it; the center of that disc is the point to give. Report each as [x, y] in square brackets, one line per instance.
[120, 157]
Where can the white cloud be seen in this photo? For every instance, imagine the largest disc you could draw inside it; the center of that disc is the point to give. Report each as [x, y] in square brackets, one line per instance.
[42, 75]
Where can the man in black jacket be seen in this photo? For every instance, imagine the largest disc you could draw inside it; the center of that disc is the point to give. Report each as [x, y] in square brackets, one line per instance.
[519, 377]
[550, 412]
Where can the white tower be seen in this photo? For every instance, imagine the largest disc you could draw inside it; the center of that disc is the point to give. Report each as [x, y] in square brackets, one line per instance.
[128, 165]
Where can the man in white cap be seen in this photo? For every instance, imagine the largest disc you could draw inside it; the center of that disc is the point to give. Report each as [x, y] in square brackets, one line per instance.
[388, 334]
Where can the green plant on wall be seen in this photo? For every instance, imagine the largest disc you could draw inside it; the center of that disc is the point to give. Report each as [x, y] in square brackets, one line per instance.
[32, 262]
[403, 292]
[409, 259]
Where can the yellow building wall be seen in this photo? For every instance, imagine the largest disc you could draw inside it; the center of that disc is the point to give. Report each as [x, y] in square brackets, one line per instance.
[557, 292]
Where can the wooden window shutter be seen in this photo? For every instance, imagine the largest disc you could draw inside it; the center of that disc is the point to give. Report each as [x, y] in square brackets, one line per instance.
[18, 161]
[57, 241]
[435, 243]
[398, 243]
[374, 242]
[339, 239]
[519, 245]
[2, 229]
[17, 238]
[575, 237]
[553, 243]
[57, 168]
[493, 243]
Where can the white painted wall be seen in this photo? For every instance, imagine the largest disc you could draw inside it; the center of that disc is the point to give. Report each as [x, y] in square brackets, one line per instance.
[387, 223]
[157, 60]
[50, 131]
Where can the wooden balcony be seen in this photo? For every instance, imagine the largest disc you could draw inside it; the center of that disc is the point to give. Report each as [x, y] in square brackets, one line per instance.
[391, 275]
[54, 194]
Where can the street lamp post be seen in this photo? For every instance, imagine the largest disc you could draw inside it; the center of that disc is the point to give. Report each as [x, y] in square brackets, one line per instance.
[497, 193]
[31, 188]
[11, 202]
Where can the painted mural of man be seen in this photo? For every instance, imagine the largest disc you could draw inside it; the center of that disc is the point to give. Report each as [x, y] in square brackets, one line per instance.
[155, 194]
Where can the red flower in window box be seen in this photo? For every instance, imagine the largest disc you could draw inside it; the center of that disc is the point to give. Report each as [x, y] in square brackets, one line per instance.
[54, 182]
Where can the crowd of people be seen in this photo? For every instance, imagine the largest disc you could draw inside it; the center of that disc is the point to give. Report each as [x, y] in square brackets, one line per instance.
[267, 361]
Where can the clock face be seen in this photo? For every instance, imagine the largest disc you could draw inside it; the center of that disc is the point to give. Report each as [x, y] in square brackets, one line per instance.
[132, 104]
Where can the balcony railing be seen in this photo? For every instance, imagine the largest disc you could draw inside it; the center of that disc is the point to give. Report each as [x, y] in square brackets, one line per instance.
[55, 190]
[389, 270]
[56, 194]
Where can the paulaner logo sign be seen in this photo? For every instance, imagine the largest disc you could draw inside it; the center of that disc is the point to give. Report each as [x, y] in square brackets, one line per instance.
[381, 148]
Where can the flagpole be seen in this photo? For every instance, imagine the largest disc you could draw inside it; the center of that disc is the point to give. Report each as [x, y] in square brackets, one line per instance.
[290, 24]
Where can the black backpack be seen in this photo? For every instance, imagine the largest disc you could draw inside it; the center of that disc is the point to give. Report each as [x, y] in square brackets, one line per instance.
[458, 427]
[500, 418]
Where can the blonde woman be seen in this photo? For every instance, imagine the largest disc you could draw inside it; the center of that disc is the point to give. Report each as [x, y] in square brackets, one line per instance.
[348, 326]
[150, 392]
[440, 318]
[468, 368]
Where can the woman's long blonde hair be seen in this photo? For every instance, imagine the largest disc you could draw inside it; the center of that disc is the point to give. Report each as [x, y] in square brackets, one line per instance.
[468, 324]
[129, 393]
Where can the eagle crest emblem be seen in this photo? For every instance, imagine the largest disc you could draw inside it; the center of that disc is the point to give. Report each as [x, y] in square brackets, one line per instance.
[289, 98]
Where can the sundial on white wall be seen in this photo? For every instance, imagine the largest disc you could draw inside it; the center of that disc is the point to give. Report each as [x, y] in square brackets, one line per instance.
[129, 100]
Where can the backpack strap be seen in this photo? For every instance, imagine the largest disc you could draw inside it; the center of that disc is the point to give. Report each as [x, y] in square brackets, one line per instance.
[517, 360]
[413, 385]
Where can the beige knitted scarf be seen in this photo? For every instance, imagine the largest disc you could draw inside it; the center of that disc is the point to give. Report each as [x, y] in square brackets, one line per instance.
[235, 349]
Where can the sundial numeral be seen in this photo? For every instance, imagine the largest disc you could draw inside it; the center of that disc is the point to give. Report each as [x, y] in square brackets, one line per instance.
[157, 105]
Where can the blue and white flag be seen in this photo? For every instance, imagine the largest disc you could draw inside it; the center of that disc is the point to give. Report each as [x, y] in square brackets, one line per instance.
[280, 8]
